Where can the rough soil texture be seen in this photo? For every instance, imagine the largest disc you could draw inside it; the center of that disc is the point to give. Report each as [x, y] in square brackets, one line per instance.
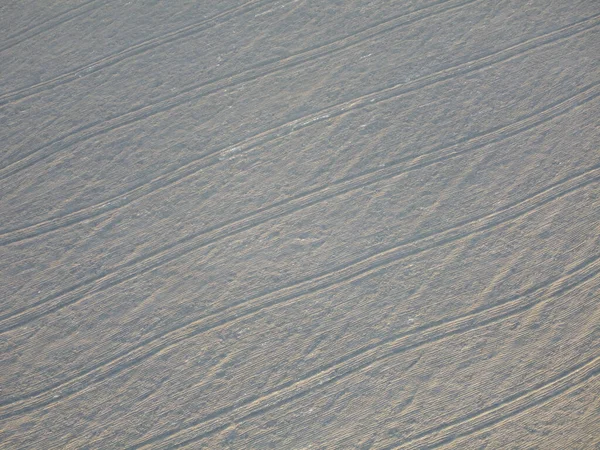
[291, 224]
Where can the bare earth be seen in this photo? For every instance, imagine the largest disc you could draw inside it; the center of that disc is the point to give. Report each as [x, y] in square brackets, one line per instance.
[297, 224]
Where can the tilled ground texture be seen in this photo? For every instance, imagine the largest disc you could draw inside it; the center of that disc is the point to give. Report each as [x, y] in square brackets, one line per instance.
[291, 224]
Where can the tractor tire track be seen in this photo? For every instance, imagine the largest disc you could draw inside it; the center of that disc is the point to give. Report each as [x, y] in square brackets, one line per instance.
[161, 256]
[134, 50]
[53, 22]
[371, 355]
[329, 113]
[195, 92]
[507, 409]
[324, 281]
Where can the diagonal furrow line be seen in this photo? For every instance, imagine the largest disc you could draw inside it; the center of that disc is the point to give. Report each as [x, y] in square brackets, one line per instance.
[134, 50]
[185, 32]
[369, 356]
[328, 280]
[546, 115]
[53, 22]
[193, 93]
[409, 341]
[509, 408]
[192, 242]
[161, 256]
[211, 158]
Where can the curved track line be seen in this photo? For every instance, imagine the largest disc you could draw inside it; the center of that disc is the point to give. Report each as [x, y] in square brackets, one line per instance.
[210, 158]
[511, 407]
[134, 50]
[55, 21]
[324, 281]
[362, 359]
[413, 342]
[156, 258]
[293, 204]
[201, 90]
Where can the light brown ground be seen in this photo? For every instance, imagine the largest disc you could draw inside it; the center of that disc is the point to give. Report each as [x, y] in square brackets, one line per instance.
[300, 224]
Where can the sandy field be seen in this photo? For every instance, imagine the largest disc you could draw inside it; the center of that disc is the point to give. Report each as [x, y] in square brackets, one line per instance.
[300, 224]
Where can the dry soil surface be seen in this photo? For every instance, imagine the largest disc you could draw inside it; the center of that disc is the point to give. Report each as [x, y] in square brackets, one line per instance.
[291, 224]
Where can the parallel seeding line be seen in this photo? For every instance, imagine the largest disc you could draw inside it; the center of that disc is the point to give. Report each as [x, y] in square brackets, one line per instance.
[52, 22]
[195, 92]
[192, 242]
[328, 280]
[197, 389]
[502, 411]
[134, 50]
[368, 357]
[541, 393]
[210, 158]
[142, 47]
